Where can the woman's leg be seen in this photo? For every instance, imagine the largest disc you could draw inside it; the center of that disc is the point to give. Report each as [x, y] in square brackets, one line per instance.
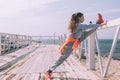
[66, 53]
[86, 34]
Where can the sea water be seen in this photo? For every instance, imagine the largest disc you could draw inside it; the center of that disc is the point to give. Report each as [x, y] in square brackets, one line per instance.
[105, 47]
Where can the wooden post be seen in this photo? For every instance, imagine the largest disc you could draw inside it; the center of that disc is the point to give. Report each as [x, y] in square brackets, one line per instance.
[91, 52]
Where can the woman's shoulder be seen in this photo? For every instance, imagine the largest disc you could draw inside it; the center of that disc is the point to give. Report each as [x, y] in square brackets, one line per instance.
[82, 24]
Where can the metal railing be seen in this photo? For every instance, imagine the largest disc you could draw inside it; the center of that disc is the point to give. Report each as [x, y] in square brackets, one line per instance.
[9, 42]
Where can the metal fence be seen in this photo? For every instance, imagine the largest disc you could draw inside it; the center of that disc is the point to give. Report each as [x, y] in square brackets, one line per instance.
[9, 42]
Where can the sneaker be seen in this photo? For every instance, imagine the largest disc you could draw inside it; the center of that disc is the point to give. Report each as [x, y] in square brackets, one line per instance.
[48, 75]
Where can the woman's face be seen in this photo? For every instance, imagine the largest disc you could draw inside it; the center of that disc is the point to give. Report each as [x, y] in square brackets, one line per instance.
[81, 19]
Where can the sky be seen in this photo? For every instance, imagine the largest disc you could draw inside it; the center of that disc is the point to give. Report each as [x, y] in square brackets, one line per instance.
[48, 17]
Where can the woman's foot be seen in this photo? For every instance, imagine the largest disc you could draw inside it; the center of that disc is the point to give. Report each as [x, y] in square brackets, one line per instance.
[48, 75]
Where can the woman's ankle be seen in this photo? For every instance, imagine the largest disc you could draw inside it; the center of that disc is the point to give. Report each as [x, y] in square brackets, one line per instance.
[49, 71]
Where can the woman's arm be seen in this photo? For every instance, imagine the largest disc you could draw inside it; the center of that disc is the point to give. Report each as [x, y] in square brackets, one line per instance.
[85, 26]
[82, 27]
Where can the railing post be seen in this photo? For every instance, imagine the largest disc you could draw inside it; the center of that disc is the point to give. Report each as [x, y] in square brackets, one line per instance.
[99, 55]
[0, 44]
[29, 40]
[81, 50]
[91, 52]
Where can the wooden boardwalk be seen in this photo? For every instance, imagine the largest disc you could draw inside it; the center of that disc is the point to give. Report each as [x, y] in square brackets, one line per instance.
[34, 65]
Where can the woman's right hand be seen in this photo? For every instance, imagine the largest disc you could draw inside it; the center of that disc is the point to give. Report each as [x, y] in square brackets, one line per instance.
[104, 23]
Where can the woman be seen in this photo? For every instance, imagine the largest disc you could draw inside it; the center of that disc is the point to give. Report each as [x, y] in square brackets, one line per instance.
[78, 33]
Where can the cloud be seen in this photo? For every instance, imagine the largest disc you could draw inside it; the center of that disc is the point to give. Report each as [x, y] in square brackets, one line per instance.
[12, 7]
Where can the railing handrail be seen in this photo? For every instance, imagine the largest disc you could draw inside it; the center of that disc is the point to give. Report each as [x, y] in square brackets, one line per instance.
[112, 23]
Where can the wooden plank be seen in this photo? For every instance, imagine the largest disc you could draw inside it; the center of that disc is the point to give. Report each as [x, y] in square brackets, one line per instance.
[36, 77]
[16, 77]
[9, 77]
[5, 77]
[36, 59]
[15, 68]
[27, 66]
[42, 77]
[43, 63]
[32, 76]
[38, 67]
[76, 74]
[84, 71]
[77, 70]
[19, 77]
[68, 69]
[2, 76]
[26, 77]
